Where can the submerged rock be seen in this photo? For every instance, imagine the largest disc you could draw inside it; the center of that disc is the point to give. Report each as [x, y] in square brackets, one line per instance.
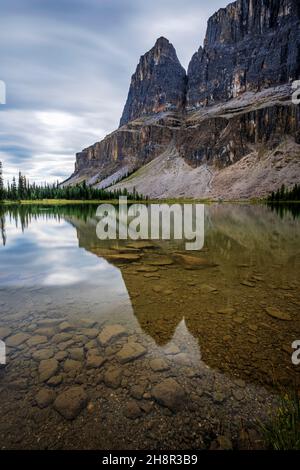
[123, 257]
[227, 311]
[76, 353]
[94, 360]
[193, 262]
[111, 332]
[132, 410]
[172, 349]
[47, 369]
[61, 338]
[45, 397]
[55, 380]
[43, 354]
[17, 340]
[141, 245]
[170, 394]
[158, 365]
[278, 314]
[91, 333]
[147, 269]
[206, 289]
[4, 332]
[71, 402]
[36, 340]
[130, 352]
[72, 366]
[65, 326]
[112, 377]
[248, 283]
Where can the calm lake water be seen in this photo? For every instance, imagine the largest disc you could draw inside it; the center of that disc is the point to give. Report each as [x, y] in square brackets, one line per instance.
[116, 345]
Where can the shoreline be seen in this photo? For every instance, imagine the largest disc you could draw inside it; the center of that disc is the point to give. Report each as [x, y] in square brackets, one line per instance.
[53, 202]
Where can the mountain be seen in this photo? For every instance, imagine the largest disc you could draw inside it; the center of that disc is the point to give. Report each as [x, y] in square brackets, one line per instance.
[158, 84]
[227, 129]
[250, 45]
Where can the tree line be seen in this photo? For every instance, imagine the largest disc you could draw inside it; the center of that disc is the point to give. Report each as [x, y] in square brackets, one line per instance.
[20, 189]
[285, 194]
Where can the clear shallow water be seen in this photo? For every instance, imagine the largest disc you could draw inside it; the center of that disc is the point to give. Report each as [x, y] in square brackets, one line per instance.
[205, 325]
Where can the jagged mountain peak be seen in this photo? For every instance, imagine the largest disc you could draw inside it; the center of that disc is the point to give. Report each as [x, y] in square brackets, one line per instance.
[158, 84]
[249, 17]
[249, 45]
[162, 42]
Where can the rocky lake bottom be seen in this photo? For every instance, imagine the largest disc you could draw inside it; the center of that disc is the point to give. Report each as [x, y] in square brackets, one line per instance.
[142, 345]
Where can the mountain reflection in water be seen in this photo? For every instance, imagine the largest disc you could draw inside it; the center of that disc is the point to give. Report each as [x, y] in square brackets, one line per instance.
[250, 263]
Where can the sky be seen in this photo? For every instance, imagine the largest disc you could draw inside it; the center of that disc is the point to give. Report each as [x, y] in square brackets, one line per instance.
[67, 66]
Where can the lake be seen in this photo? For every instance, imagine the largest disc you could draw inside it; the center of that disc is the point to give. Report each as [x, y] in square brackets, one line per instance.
[141, 344]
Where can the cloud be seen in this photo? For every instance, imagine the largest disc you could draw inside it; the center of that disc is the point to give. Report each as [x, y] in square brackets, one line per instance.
[67, 66]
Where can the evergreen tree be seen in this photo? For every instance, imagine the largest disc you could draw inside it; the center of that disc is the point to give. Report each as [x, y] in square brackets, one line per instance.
[2, 191]
[14, 191]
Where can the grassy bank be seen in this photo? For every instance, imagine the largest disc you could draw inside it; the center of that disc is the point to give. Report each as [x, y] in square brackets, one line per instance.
[57, 202]
[283, 432]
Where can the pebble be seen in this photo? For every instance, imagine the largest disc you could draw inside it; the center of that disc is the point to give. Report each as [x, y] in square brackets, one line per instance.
[132, 410]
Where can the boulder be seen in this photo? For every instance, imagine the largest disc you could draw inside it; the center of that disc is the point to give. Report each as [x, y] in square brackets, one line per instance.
[71, 402]
[170, 394]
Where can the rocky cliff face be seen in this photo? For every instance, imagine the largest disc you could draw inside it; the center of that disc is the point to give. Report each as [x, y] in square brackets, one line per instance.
[228, 129]
[250, 45]
[158, 84]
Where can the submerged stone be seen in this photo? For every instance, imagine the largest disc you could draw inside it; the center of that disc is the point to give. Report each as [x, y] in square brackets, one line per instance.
[226, 311]
[158, 365]
[71, 365]
[123, 257]
[76, 353]
[278, 314]
[132, 410]
[47, 369]
[44, 398]
[4, 332]
[36, 340]
[17, 340]
[43, 354]
[111, 332]
[248, 283]
[112, 377]
[71, 402]
[170, 394]
[94, 360]
[130, 352]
